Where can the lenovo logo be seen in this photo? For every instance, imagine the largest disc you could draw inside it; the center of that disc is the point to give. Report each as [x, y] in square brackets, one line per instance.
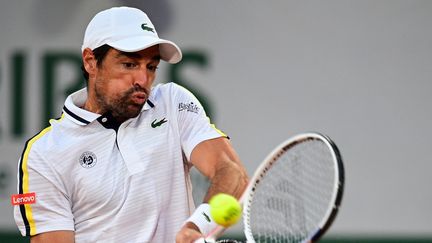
[26, 198]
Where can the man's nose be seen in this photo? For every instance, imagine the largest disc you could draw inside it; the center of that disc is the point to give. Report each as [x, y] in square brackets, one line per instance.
[141, 77]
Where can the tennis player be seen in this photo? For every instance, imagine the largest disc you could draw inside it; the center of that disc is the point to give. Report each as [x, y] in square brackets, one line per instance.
[115, 166]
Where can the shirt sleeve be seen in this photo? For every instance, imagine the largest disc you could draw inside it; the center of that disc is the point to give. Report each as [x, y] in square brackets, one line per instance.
[194, 125]
[50, 210]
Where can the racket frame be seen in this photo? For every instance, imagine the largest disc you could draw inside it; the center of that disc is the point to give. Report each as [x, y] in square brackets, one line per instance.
[247, 196]
[272, 158]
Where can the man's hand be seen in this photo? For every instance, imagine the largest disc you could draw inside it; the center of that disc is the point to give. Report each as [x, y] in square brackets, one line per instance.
[189, 233]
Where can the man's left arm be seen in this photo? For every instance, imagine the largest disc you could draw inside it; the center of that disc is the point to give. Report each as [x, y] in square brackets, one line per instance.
[217, 160]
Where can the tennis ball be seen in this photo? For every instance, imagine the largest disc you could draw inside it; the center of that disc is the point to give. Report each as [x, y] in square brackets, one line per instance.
[225, 209]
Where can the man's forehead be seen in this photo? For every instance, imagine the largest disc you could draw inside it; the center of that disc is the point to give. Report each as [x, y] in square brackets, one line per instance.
[151, 52]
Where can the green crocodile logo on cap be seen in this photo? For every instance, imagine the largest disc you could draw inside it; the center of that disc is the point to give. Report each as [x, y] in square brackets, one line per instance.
[145, 27]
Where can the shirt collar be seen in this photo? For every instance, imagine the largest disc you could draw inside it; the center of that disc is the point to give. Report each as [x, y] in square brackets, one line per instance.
[72, 107]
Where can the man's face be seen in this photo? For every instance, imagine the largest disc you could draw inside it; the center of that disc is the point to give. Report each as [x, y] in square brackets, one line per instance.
[122, 83]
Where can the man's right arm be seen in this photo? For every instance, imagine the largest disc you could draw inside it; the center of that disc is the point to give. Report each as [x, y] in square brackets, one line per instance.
[48, 217]
[61, 236]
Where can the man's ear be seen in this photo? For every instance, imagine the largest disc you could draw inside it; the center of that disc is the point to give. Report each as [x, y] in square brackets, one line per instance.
[89, 61]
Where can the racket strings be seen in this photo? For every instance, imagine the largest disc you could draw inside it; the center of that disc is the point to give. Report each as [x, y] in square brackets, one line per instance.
[293, 197]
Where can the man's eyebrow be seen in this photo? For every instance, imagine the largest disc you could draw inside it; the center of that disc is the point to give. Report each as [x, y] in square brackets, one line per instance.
[135, 55]
[156, 58]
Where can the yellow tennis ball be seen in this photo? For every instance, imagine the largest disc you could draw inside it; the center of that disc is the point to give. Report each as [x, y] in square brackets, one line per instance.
[225, 209]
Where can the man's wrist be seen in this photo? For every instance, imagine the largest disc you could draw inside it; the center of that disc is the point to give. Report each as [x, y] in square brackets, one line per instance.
[201, 219]
[191, 225]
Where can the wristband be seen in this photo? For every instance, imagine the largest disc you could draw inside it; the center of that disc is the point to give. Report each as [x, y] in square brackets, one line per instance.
[201, 218]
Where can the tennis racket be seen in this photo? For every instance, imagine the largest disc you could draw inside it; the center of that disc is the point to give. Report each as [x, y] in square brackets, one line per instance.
[294, 194]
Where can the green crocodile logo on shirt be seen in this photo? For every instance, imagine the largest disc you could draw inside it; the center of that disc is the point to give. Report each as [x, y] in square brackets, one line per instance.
[155, 123]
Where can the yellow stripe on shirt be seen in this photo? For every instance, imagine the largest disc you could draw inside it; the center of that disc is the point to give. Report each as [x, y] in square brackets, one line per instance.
[218, 131]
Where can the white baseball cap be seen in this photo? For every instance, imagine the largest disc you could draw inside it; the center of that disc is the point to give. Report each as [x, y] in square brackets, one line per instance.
[129, 30]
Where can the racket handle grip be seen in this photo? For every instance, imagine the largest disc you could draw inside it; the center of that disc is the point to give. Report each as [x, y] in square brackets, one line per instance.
[202, 240]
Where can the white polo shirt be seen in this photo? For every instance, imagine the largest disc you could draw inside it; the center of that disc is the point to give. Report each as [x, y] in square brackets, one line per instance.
[130, 185]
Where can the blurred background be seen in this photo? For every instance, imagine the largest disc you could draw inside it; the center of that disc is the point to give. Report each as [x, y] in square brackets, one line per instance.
[358, 71]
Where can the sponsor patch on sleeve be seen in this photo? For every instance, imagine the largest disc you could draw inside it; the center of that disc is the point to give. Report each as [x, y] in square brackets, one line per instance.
[189, 107]
[26, 198]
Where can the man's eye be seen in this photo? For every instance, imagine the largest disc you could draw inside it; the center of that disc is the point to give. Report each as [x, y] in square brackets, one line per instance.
[129, 65]
[152, 68]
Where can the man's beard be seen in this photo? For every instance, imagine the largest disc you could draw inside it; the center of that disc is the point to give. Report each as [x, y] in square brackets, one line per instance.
[121, 107]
